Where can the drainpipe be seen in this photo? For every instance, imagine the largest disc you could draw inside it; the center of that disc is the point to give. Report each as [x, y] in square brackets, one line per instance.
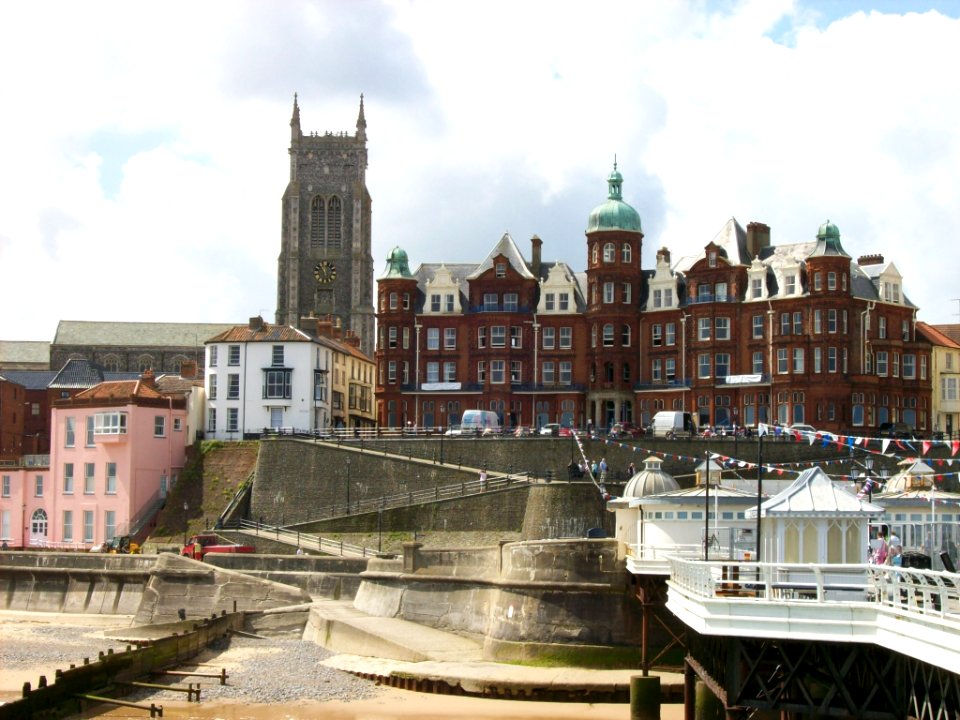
[770, 399]
[864, 339]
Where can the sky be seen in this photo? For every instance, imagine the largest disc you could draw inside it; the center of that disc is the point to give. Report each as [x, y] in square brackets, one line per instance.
[143, 151]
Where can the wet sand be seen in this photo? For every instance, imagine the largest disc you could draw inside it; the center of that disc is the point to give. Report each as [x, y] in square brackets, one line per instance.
[396, 705]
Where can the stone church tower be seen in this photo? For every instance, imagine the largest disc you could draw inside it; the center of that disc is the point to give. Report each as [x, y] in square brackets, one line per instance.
[326, 265]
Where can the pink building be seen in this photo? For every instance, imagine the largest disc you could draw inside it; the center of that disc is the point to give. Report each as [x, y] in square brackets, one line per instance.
[115, 450]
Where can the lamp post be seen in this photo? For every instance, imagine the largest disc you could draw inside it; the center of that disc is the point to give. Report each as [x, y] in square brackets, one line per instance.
[186, 507]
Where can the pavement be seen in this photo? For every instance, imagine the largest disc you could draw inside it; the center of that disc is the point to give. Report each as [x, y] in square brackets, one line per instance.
[408, 655]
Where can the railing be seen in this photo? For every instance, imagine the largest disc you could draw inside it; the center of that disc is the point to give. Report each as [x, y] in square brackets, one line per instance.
[702, 299]
[307, 541]
[418, 497]
[27, 461]
[664, 385]
[927, 592]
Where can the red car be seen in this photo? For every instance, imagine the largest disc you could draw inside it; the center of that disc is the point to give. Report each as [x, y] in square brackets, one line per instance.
[626, 430]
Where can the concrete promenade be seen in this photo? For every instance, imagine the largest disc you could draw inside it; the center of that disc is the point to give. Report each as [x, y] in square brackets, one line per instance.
[407, 655]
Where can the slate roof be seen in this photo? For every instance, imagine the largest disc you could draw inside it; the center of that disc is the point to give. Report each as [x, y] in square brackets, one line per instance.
[507, 247]
[135, 334]
[30, 379]
[83, 373]
[24, 352]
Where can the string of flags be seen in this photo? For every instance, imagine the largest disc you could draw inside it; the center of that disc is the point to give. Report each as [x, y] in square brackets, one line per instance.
[827, 439]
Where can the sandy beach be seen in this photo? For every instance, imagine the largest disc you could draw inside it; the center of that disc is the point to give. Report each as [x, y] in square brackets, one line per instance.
[261, 686]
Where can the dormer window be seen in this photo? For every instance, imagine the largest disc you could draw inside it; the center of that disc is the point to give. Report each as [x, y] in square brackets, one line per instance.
[790, 285]
[435, 302]
[501, 270]
[712, 258]
[448, 302]
[756, 287]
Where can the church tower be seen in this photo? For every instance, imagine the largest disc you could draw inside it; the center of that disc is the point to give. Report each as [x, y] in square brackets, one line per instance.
[326, 264]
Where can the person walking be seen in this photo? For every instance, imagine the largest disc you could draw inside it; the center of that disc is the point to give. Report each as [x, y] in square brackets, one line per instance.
[894, 550]
[483, 480]
[631, 470]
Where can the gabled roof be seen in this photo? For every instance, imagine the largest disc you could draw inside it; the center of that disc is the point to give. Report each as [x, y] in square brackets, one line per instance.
[114, 390]
[814, 493]
[135, 334]
[951, 331]
[732, 243]
[934, 335]
[84, 373]
[24, 352]
[264, 333]
[30, 379]
[508, 248]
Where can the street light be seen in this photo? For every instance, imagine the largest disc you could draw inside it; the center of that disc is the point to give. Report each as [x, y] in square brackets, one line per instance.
[186, 507]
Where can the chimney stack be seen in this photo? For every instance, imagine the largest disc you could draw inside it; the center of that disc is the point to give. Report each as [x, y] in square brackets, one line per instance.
[149, 379]
[188, 369]
[875, 259]
[536, 245]
[758, 238]
[663, 255]
[256, 323]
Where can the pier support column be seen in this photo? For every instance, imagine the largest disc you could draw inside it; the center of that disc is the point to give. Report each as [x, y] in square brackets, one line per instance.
[644, 697]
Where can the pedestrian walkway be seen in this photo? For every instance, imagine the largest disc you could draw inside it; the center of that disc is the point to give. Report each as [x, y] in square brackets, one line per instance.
[408, 655]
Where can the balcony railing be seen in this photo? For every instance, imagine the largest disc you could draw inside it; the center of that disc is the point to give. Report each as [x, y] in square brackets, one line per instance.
[663, 385]
[703, 299]
[498, 307]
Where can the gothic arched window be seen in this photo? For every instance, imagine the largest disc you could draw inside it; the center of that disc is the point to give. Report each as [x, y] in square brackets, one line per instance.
[334, 223]
[318, 215]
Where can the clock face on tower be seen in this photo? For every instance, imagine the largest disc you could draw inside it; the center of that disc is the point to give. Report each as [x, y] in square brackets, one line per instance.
[325, 272]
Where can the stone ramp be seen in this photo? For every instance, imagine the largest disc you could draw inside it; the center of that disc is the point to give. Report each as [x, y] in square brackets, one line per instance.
[411, 656]
[341, 628]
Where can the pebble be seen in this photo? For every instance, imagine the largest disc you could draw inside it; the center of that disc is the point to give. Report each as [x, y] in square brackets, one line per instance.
[275, 669]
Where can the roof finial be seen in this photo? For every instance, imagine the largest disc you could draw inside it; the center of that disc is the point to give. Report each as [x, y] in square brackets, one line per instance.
[361, 122]
[614, 161]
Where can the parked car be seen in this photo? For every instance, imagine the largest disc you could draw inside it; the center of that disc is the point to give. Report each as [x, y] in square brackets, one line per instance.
[556, 430]
[897, 430]
[803, 429]
[626, 430]
[200, 545]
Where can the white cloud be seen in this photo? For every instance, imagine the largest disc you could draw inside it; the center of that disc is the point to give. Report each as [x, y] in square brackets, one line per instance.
[144, 152]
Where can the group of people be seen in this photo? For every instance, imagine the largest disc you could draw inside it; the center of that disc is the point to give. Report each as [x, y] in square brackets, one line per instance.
[887, 551]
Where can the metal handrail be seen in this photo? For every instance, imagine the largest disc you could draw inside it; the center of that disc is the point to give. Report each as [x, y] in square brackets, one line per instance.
[308, 541]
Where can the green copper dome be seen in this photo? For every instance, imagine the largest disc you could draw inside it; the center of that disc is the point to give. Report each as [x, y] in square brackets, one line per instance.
[828, 241]
[828, 231]
[614, 214]
[398, 266]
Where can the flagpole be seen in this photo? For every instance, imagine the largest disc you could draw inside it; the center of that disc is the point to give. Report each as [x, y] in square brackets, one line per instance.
[759, 488]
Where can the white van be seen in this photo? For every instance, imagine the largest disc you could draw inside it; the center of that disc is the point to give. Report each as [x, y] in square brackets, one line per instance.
[479, 422]
[673, 423]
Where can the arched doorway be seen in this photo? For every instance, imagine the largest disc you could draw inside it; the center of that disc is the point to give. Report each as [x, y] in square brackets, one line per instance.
[38, 527]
